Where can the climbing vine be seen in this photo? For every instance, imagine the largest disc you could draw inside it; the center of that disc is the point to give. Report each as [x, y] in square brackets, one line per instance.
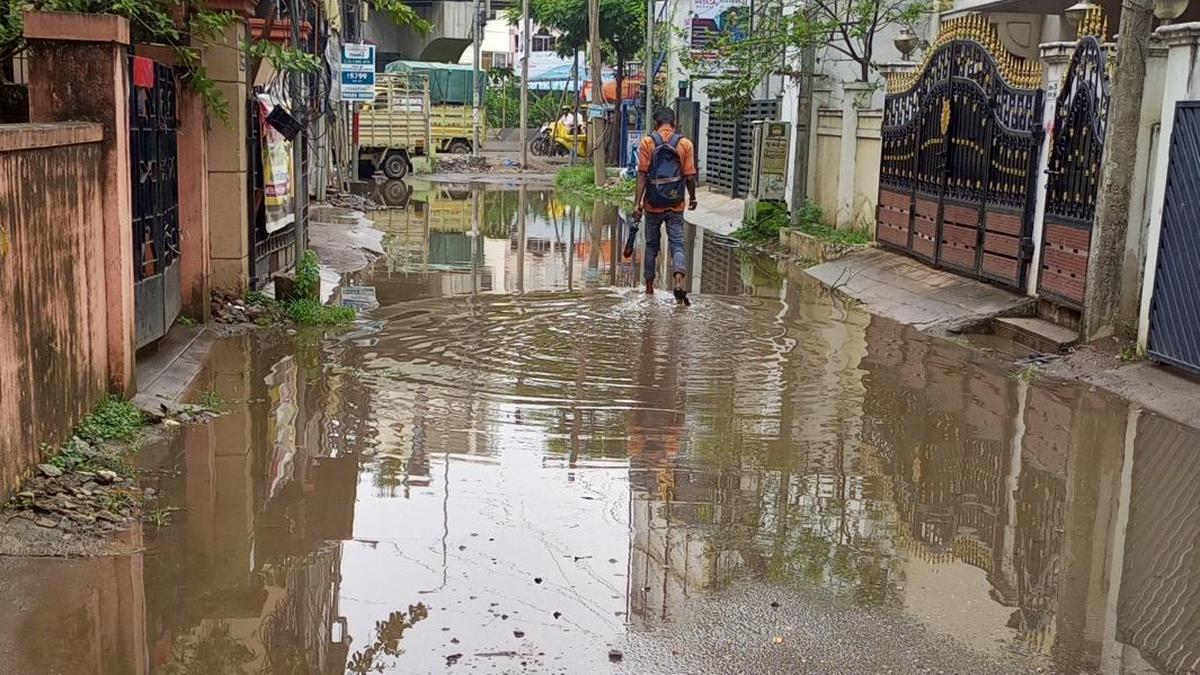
[155, 22]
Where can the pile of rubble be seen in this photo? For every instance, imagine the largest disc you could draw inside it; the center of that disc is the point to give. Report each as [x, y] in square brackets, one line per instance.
[81, 501]
[462, 164]
[353, 202]
[230, 309]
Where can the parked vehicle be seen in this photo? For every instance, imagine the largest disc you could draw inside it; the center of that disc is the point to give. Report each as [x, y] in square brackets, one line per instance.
[402, 124]
[396, 127]
[450, 101]
[556, 138]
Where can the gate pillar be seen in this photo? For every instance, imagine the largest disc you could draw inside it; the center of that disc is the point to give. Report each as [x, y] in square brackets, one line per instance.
[1056, 57]
[78, 71]
[228, 160]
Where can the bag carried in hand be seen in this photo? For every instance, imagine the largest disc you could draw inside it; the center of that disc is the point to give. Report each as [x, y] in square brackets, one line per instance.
[664, 181]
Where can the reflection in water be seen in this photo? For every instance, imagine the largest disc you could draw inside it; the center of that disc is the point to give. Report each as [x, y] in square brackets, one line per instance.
[511, 482]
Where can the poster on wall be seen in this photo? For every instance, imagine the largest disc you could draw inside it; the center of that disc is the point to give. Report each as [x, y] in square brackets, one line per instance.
[277, 170]
[712, 19]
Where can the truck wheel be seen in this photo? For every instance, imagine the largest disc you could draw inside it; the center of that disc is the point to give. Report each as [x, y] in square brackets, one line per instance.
[395, 193]
[459, 147]
[395, 166]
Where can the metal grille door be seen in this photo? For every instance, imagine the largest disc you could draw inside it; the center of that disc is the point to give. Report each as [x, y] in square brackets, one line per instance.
[1175, 307]
[153, 148]
[1077, 147]
[727, 160]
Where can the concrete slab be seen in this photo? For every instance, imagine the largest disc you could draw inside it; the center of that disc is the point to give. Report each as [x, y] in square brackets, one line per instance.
[166, 370]
[716, 212]
[1038, 334]
[910, 292]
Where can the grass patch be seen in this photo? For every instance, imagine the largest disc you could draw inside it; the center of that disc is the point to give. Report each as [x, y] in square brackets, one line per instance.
[580, 181]
[1130, 353]
[1027, 374]
[836, 236]
[313, 313]
[212, 400]
[772, 217]
[768, 219]
[114, 419]
[308, 275]
[307, 310]
[83, 457]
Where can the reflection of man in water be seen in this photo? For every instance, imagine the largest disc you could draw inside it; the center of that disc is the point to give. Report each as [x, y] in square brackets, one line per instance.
[656, 421]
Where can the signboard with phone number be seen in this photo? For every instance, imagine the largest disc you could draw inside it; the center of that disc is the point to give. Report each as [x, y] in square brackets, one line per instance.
[358, 73]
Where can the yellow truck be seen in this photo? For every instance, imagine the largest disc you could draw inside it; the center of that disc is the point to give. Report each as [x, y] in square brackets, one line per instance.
[401, 124]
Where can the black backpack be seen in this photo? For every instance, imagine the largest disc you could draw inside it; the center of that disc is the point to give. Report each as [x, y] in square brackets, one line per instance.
[664, 180]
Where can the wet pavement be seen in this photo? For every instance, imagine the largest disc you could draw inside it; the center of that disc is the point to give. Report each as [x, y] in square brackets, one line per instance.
[517, 463]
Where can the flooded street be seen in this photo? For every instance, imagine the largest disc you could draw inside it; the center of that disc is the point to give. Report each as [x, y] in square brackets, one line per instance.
[519, 463]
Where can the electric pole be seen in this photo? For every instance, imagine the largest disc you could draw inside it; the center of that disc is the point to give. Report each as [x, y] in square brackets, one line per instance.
[649, 65]
[524, 84]
[596, 140]
[475, 80]
[804, 113]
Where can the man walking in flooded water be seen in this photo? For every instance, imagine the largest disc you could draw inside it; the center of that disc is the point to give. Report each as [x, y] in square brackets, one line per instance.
[666, 167]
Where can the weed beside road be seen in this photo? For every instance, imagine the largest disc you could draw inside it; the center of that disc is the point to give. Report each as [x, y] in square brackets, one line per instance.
[580, 182]
[770, 218]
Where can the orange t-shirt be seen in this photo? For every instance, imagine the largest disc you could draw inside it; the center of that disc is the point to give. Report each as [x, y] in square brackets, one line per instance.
[687, 158]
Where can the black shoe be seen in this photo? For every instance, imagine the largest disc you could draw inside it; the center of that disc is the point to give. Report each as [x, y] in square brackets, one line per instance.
[682, 298]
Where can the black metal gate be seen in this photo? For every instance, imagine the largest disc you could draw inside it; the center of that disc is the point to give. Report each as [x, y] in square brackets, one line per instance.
[727, 160]
[153, 128]
[1175, 305]
[961, 140]
[1076, 150]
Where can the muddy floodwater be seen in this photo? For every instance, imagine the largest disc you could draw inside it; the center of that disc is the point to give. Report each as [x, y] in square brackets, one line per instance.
[518, 463]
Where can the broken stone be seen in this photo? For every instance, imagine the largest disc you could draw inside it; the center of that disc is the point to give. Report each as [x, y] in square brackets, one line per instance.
[49, 470]
[110, 517]
[107, 476]
[453, 659]
[537, 580]
[615, 655]
[518, 633]
[82, 517]
[46, 522]
[26, 494]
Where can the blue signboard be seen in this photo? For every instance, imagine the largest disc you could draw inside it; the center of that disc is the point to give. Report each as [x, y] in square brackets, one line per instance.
[358, 72]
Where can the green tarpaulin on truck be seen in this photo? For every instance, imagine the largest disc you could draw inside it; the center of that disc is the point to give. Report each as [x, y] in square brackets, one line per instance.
[448, 82]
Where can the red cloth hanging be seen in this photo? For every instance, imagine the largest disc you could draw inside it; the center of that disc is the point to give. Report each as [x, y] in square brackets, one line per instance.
[143, 72]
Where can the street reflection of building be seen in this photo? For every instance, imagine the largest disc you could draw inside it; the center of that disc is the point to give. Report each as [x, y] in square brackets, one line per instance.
[82, 615]
[769, 481]
[1158, 610]
[721, 269]
[1009, 477]
[250, 573]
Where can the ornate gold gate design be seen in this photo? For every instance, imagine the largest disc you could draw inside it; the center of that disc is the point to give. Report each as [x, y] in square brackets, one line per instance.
[961, 143]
